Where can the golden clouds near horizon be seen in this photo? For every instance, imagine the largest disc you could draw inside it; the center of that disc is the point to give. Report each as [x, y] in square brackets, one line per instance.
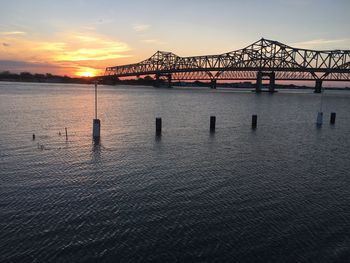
[88, 53]
[104, 52]
[88, 47]
[49, 46]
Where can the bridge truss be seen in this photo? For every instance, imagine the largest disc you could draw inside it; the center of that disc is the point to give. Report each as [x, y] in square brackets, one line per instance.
[264, 58]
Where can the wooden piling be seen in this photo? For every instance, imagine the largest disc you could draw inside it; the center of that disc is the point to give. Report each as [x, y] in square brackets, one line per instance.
[158, 126]
[254, 121]
[332, 120]
[319, 119]
[212, 123]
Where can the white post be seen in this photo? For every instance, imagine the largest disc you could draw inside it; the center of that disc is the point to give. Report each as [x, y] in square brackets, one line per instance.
[95, 100]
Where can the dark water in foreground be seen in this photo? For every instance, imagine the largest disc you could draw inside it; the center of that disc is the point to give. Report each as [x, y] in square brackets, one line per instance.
[280, 193]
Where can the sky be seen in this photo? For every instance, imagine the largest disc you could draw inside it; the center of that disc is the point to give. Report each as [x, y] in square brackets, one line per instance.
[82, 37]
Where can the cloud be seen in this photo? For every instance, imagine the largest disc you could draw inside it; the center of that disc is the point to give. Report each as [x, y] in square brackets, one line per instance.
[13, 33]
[23, 64]
[153, 41]
[141, 27]
[18, 66]
[106, 21]
[68, 50]
[91, 47]
[101, 53]
[323, 43]
[89, 28]
[50, 46]
[72, 47]
[86, 38]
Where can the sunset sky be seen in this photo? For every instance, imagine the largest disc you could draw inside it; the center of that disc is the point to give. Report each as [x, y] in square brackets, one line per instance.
[82, 37]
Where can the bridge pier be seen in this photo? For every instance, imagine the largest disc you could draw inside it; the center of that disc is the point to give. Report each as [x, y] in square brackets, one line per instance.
[258, 85]
[169, 80]
[318, 86]
[157, 81]
[272, 82]
[259, 79]
[213, 84]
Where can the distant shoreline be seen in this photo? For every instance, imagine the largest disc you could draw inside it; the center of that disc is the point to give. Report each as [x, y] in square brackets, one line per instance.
[27, 77]
[177, 84]
[42, 78]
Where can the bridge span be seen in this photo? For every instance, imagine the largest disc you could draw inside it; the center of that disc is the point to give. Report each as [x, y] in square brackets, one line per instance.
[264, 59]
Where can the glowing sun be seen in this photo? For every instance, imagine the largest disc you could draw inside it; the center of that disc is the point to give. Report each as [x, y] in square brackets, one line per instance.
[87, 72]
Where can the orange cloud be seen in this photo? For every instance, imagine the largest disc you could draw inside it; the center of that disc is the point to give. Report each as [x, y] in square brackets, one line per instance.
[84, 52]
[102, 51]
[50, 46]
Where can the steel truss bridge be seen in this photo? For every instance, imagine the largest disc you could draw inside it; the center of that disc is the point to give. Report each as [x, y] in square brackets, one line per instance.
[264, 59]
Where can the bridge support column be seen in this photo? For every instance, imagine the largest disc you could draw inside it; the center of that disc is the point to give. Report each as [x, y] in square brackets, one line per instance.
[318, 86]
[169, 80]
[272, 82]
[258, 84]
[157, 81]
[213, 84]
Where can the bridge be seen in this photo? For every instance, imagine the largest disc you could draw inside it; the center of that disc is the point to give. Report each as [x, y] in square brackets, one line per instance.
[264, 59]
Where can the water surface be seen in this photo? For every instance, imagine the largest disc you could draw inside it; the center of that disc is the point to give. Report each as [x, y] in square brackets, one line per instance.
[279, 193]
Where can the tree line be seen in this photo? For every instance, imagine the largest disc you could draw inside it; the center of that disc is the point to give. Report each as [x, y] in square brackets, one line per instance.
[29, 77]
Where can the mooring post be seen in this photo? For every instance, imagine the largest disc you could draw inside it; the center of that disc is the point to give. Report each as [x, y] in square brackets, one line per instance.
[212, 123]
[96, 124]
[33, 137]
[96, 129]
[66, 133]
[332, 120]
[319, 119]
[158, 126]
[254, 121]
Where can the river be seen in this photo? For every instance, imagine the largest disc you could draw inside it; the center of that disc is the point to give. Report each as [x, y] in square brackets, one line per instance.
[279, 193]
